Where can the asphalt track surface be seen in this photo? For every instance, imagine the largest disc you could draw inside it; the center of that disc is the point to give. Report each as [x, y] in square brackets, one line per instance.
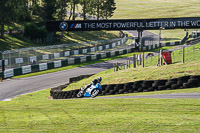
[13, 87]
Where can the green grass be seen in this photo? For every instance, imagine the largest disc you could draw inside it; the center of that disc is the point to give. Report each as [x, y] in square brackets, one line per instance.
[151, 70]
[191, 54]
[143, 9]
[16, 41]
[139, 9]
[35, 113]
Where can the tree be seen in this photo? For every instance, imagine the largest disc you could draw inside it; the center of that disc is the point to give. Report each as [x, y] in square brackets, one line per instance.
[83, 3]
[107, 8]
[62, 6]
[110, 7]
[104, 8]
[10, 11]
[98, 8]
[49, 7]
[75, 2]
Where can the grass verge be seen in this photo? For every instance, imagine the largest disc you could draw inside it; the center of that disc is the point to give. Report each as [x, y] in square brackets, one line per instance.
[151, 71]
[16, 41]
[35, 113]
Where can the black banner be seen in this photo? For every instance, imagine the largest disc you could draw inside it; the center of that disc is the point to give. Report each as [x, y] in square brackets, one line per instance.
[128, 24]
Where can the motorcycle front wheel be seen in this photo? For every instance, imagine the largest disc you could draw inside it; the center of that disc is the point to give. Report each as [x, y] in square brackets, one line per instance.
[80, 94]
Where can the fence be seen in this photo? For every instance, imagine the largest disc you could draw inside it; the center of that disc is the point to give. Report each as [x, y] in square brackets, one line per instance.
[181, 54]
[36, 55]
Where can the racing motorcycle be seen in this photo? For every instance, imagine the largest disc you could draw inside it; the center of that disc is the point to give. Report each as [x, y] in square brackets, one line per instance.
[91, 90]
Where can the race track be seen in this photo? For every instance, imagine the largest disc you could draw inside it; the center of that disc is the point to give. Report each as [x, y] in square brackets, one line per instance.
[13, 87]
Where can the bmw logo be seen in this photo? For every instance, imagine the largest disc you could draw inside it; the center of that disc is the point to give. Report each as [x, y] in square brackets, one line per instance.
[63, 25]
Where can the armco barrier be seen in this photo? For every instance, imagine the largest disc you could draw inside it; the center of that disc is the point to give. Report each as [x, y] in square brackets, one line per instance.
[135, 87]
[70, 61]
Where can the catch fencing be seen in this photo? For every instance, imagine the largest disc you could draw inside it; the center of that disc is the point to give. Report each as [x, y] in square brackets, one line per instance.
[35, 55]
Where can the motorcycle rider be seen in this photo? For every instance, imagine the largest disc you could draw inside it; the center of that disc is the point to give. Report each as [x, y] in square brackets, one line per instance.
[88, 93]
[98, 80]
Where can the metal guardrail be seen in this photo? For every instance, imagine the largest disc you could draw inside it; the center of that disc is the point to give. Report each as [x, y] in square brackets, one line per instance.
[193, 41]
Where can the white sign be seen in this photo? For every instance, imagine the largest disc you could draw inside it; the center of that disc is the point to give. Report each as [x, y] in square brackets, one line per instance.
[83, 59]
[76, 52]
[100, 48]
[92, 49]
[71, 61]
[45, 57]
[56, 55]
[8, 73]
[26, 69]
[67, 53]
[43, 66]
[57, 63]
[6, 62]
[113, 45]
[84, 51]
[19, 60]
[118, 43]
[33, 58]
[107, 46]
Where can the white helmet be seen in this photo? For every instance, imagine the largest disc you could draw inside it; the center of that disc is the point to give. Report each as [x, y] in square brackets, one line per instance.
[99, 79]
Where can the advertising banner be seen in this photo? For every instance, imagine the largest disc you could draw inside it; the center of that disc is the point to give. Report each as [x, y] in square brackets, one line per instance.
[125, 24]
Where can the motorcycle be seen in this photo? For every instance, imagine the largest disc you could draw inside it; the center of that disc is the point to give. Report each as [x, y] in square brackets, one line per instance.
[91, 91]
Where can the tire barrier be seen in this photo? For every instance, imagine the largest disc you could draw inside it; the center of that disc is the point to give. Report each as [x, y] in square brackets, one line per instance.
[134, 87]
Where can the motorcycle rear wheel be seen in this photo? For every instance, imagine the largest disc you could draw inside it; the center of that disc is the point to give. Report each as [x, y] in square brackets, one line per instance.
[80, 94]
[94, 93]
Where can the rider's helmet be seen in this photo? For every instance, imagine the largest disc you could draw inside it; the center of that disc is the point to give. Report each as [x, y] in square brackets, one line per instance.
[95, 81]
[99, 79]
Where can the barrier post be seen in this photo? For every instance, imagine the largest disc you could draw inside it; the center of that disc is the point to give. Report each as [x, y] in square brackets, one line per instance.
[134, 61]
[161, 57]
[117, 66]
[143, 60]
[183, 60]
